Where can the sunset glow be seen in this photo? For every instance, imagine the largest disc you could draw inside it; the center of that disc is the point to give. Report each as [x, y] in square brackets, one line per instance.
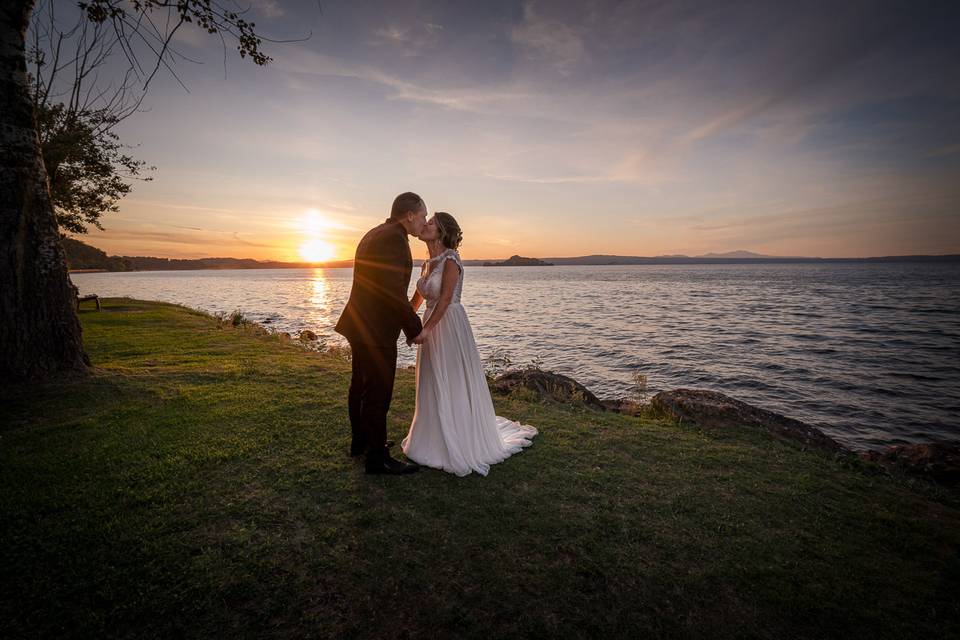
[317, 251]
[315, 226]
[671, 129]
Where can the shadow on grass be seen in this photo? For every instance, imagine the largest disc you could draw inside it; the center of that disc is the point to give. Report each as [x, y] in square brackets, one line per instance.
[199, 485]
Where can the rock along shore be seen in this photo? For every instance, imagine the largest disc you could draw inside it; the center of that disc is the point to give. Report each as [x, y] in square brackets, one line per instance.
[937, 461]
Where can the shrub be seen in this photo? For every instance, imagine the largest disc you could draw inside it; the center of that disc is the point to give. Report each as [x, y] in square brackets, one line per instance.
[497, 363]
[237, 318]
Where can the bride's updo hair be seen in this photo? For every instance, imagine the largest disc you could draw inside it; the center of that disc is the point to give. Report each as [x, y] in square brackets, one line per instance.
[448, 230]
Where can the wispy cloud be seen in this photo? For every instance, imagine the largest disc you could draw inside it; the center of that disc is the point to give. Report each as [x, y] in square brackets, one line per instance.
[709, 126]
[473, 100]
[946, 150]
[548, 39]
[394, 35]
[268, 8]
[413, 40]
[201, 239]
[815, 66]
[632, 169]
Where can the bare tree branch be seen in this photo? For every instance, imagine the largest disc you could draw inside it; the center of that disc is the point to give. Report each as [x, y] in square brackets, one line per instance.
[76, 111]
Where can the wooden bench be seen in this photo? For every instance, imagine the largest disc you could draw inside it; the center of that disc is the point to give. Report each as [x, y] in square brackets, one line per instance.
[92, 296]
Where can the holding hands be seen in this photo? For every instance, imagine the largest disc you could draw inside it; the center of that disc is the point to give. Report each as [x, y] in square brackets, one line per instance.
[422, 337]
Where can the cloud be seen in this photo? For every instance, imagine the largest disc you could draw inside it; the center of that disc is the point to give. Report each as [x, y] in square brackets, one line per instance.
[393, 35]
[473, 100]
[188, 207]
[237, 238]
[250, 214]
[729, 119]
[549, 40]
[947, 150]
[411, 40]
[269, 8]
[847, 214]
[202, 238]
[630, 169]
[192, 36]
[812, 67]
[745, 112]
[585, 179]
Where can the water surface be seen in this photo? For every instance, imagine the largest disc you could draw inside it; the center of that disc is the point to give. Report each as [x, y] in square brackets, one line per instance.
[867, 351]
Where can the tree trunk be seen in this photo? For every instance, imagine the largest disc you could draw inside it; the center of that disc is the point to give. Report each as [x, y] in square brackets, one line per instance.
[39, 328]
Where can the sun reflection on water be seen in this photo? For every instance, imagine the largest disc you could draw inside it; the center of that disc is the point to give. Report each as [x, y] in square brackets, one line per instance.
[320, 292]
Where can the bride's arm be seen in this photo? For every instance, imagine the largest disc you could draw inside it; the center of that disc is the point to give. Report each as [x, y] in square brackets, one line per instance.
[451, 273]
[416, 301]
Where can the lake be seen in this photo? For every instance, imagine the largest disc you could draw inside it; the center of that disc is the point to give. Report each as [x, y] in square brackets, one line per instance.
[869, 352]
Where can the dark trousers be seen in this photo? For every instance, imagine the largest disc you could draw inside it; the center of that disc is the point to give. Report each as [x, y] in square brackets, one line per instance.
[371, 388]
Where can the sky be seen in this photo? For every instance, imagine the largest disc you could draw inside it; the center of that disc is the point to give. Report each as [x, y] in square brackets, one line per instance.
[554, 129]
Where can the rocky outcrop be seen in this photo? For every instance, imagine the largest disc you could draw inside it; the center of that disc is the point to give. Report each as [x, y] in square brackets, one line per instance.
[712, 410]
[547, 384]
[307, 335]
[939, 461]
[519, 261]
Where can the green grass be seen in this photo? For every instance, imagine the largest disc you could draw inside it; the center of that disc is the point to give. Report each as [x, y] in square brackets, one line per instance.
[198, 485]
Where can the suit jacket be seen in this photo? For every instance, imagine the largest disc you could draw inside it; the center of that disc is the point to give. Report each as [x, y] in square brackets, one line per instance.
[378, 309]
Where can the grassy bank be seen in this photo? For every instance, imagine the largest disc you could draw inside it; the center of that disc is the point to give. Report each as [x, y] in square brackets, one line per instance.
[198, 485]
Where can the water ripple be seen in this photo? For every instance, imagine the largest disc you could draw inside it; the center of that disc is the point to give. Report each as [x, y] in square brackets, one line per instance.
[869, 352]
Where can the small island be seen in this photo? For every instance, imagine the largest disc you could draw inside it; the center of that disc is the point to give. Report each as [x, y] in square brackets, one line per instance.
[519, 261]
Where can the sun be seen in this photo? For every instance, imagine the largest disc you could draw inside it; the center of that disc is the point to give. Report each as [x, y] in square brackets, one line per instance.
[313, 227]
[316, 250]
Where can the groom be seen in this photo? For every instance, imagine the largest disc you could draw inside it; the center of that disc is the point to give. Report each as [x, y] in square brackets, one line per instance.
[376, 312]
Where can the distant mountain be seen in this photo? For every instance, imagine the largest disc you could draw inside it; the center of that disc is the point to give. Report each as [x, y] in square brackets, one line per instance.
[734, 257]
[602, 259]
[741, 254]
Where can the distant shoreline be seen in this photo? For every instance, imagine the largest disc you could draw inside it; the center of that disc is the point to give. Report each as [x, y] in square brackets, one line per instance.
[567, 262]
[82, 257]
[631, 260]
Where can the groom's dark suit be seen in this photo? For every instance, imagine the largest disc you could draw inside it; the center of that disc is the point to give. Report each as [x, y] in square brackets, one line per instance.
[376, 312]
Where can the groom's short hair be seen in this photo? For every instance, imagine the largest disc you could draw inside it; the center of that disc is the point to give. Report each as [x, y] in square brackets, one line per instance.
[404, 202]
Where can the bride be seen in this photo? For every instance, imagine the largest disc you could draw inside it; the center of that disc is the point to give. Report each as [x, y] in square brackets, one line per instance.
[454, 426]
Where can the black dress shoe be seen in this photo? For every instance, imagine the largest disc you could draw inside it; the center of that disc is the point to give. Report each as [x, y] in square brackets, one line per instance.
[359, 448]
[385, 465]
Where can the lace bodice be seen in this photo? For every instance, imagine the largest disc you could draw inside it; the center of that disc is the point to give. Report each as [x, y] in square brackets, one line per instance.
[431, 277]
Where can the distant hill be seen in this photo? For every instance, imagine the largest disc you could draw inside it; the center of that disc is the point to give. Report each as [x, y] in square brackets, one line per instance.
[80, 255]
[144, 263]
[83, 256]
[749, 255]
[677, 258]
[738, 258]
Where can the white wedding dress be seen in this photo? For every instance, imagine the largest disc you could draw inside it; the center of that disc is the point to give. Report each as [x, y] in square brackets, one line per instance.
[454, 425]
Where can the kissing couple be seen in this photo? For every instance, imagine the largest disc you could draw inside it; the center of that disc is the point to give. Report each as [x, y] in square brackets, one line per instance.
[454, 425]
